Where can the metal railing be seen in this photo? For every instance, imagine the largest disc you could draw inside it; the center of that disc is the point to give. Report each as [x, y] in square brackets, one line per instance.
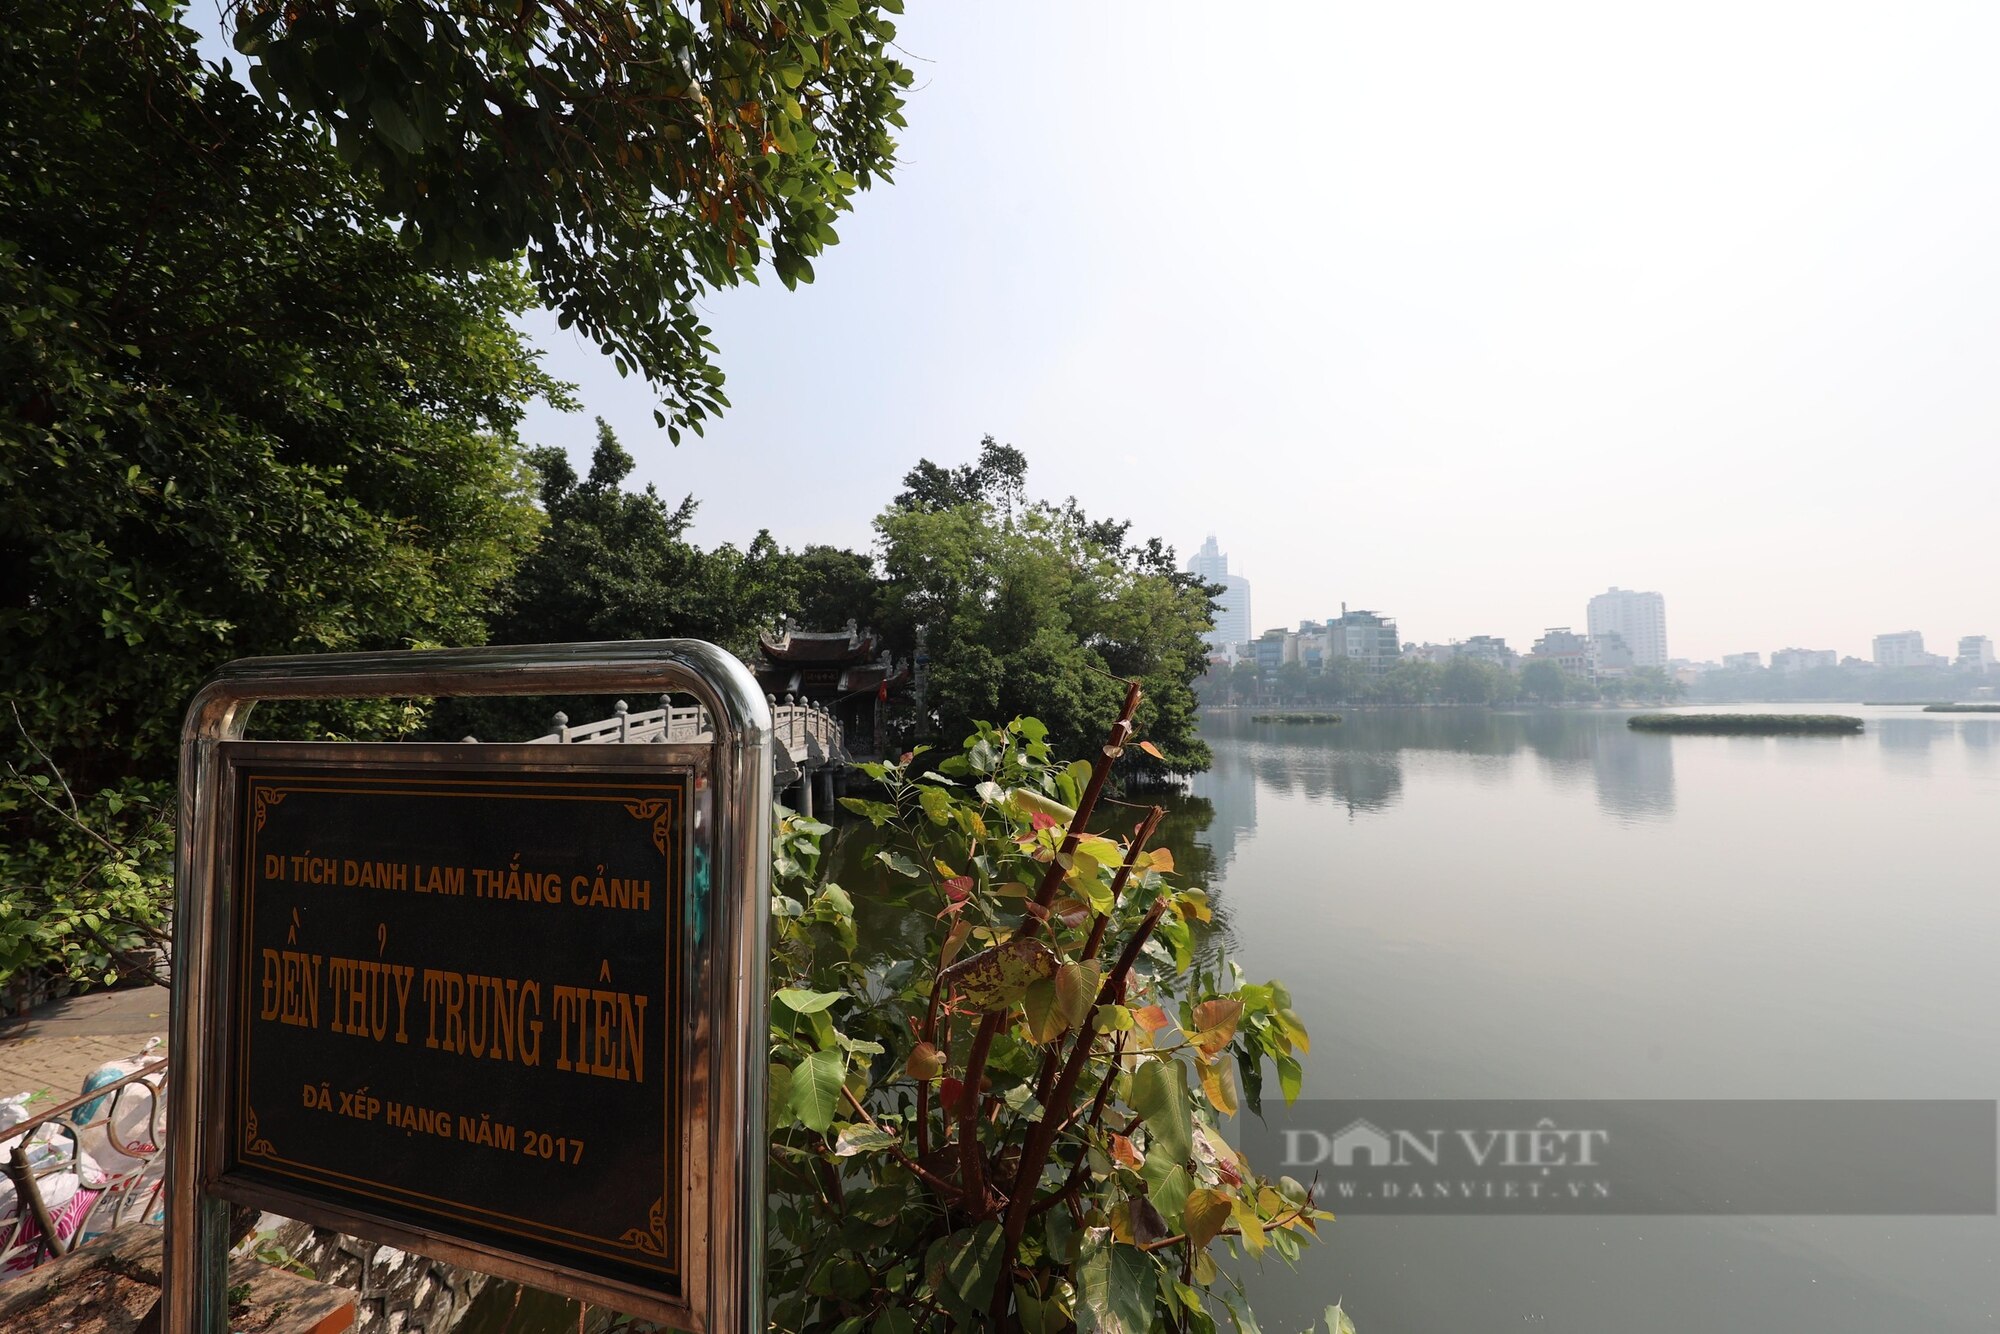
[83, 1168]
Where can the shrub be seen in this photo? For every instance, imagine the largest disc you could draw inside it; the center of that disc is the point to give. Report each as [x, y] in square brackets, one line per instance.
[1004, 1111]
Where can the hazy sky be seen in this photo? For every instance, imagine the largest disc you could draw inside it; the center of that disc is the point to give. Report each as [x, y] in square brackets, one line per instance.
[1460, 312]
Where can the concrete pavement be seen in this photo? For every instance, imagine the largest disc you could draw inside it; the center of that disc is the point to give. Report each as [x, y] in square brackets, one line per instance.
[56, 1046]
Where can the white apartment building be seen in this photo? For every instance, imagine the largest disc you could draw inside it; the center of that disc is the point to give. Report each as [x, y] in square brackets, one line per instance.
[1794, 660]
[1905, 648]
[1640, 619]
[1976, 651]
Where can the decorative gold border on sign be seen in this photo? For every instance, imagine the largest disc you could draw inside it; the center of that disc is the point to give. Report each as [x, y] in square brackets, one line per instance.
[653, 1239]
[255, 1145]
[679, 788]
[265, 797]
[656, 811]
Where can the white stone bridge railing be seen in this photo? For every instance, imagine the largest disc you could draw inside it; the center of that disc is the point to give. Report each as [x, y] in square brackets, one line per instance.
[808, 744]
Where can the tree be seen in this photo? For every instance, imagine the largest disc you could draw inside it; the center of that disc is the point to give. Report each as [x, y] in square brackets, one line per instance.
[1243, 681]
[1408, 682]
[1655, 684]
[617, 564]
[827, 585]
[1469, 681]
[640, 156]
[1291, 682]
[1029, 606]
[999, 478]
[237, 416]
[1543, 681]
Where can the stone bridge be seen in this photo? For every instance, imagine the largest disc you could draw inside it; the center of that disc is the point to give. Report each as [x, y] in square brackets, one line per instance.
[808, 745]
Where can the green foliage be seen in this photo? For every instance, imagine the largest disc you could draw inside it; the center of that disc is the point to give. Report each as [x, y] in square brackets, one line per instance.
[617, 564]
[1034, 607]
[236, 417]
[999, 1102]
[1962, 708]
[1728, 724]
[87, 899]
[1470, 681]
[640, 155]
[1544, 682]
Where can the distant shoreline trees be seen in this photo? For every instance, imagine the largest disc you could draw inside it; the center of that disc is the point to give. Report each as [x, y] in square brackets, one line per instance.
[1411, 682]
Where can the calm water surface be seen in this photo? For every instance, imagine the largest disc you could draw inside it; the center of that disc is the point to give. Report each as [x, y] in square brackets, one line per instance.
[1469, 904]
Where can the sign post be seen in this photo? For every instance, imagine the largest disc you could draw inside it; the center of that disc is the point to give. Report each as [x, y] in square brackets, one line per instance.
[498, 1004]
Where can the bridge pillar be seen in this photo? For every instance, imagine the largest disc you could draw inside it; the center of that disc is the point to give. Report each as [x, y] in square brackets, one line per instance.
[806, 793]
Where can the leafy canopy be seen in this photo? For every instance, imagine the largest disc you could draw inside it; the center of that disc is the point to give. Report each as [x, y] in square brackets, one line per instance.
[618, 564]
[237, 417]
[640, 155]
[1031, 607]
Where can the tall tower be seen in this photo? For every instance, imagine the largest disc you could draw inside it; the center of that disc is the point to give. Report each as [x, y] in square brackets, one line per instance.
[1232, 609]
[1640, 619]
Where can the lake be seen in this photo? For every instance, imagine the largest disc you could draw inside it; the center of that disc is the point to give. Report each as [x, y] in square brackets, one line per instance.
[1545, 905]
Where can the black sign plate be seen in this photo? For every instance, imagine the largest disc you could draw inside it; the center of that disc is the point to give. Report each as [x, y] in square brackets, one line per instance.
[456, 1003]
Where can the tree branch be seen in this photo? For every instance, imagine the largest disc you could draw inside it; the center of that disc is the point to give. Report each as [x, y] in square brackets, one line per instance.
[974, 1166]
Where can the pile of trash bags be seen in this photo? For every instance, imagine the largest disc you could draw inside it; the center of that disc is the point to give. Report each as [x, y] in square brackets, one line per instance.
[96, 1168]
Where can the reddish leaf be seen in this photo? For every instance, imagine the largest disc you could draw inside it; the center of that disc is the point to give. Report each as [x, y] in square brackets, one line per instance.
[1215, 1023]
[957, 888]
[1151, 1018]
[1071, 912]
[951, 1090]
[1152, 750]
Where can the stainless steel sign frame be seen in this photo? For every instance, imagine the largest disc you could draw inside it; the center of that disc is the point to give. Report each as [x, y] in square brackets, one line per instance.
[264, 935]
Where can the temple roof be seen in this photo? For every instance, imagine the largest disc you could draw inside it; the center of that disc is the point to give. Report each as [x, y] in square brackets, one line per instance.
[785, 678]
[844, 645]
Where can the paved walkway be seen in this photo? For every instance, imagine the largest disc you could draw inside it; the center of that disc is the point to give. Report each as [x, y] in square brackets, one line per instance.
[57, 1046]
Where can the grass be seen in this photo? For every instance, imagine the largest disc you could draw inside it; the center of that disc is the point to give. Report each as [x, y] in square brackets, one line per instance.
[1748, 724]
[1295, 718]
[1962, 708]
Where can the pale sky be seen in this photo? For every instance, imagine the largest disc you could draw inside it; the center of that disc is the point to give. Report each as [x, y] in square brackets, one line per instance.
[1458, 312]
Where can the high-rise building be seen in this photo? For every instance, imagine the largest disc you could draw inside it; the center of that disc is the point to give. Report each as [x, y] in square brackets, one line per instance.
[1905, 648]
[1614, 655]
[1742, 662]
[1365, 637]
[1232, 606]
[1488, 648]
[1640, 619]
[1793, 660]
[1976, 652]
[1574, 653]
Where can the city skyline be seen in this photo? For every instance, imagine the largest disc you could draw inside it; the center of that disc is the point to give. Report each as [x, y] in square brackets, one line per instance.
[1520, 638]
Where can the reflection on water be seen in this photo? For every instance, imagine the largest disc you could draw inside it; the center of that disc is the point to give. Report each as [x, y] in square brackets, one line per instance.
[1544, 904]
[1359, 763]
